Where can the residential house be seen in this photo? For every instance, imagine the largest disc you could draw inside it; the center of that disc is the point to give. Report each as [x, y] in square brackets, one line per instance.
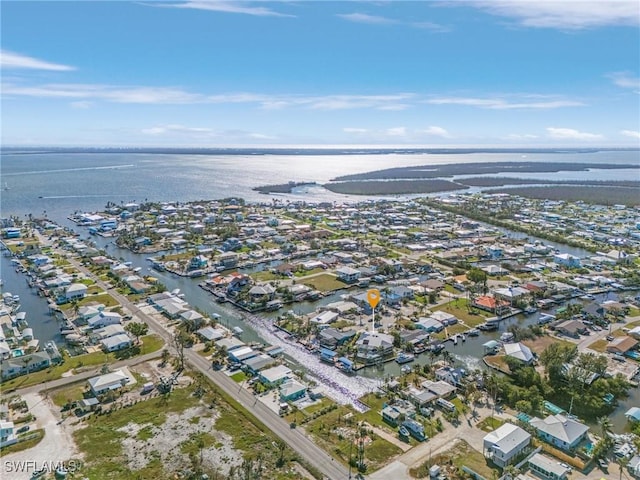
[348, 274]
[110, 381]
[75, 291]
[262, 293]
[116, 342]
[103, 319]
[571, 328]
[548, 468]
[108, 331]
[373, 347]
[429, 325]
[444, 318]
[489, 303]
[7, 434]
[453, 376]
[560, 431]
[292, 390]
[505, 444]
[439, 388]
[275, 375]
[25, 364]
[520, 352]
[331, 338]
[622, 345]
[192, 317]
[633, 467]
[566, 260]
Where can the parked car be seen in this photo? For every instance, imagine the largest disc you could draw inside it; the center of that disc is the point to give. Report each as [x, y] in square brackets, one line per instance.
[23, 429]
[609, 338]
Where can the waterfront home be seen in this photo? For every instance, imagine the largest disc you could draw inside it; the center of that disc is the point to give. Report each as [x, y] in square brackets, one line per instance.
[211, 334]
[633, 467]
[571, 328]
[116, 342]
[505, 444]
[75, 291]
[373, 347]
[25, 364]
[420, 397]
[110, 381]
[241, 354]
[331, 338]
[622, 345]
[489, 303]
[444, 318]
[439, 388]
[324, 318]
[453, 376]
[348, 274]
[392, 415]
[103, 319]
[548, 468]
[192, 317]
[87, 311]
[520, 352]
[429, 325]
[262, 293]
[560, 431]
[633, 414]
[7, 434]
[259, 362]
[567, 260]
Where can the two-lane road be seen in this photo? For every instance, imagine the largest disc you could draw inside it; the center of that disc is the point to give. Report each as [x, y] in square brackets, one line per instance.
[295, 438]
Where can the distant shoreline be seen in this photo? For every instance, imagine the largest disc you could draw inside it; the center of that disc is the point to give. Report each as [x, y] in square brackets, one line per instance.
[345, 150]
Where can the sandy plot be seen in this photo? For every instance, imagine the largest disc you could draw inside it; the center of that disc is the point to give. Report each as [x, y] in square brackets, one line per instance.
[164, 442]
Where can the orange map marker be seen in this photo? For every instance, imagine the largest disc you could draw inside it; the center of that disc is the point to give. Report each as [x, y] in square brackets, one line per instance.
[373, 297]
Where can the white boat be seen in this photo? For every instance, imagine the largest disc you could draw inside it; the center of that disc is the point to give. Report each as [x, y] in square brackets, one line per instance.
[474, 332]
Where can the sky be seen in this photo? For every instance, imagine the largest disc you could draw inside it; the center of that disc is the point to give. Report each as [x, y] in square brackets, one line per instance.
[229, 73]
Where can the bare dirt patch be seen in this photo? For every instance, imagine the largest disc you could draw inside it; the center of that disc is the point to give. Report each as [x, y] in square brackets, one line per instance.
[178, 434]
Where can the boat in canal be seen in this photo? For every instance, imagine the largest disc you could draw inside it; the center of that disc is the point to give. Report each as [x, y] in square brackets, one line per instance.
[404, 357]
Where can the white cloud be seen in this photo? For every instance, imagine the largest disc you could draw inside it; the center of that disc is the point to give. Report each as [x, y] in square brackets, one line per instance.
[502, 104]
[564, 14]
[378, 20]
[436, 131]
[178, 129]
[354, 130]
[630, 133]
[625, 80]
[396, 131]
[226, 7]
[81, 105]
[262, 136]
[369, 19]
[522, 136]
[10, 60]
[571, 134]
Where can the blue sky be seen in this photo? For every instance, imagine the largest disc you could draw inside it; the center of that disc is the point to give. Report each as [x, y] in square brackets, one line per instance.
[218, 73]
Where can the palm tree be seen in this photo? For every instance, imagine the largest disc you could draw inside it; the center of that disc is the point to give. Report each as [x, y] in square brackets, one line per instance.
[605, 428]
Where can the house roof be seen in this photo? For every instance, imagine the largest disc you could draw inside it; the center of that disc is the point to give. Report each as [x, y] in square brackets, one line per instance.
[622, 344]
[275, 374]
[105, 381]
[507, 437]
[115, 340]
[518, 351]
[548, 465]
[560, 427]
[633, 413]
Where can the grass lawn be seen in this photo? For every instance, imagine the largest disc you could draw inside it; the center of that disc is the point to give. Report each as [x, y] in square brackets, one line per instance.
[599, 345]
[489, 424]
[239, 377]
[461, 454]
[633, 312]
[101, 442]
[336, 435]
[324, 282]
[497, 361]
[265, 276]
[539, 344]
[104, 298]
[150, 343]
[69, 394]
[306, 273]
[458, 307]
[36, 437]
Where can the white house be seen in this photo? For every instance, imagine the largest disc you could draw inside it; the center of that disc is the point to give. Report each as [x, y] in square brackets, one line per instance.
[75, 291]
[519, 352]
[116, 342]
[7, 434]
[505, 443]
[103, 319]
[109, 331]
[110, 381]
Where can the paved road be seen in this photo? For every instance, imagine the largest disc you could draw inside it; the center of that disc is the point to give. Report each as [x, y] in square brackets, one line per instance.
[84, 375]
[295, 438]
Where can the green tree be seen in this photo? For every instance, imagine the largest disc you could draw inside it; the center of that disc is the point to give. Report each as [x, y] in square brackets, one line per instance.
[137, 329]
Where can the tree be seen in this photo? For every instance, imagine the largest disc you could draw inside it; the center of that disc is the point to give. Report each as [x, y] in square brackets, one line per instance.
[137, 329]
[479, 278]
[164, 356]
[180, 340]
[605, 428]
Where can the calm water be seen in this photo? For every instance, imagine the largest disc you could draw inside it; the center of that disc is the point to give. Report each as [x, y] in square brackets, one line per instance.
[59, 184]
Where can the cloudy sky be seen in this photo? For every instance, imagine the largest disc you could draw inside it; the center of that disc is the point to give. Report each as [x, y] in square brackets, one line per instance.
[216, 73]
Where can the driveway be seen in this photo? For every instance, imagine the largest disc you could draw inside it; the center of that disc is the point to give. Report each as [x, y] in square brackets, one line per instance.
[56, 446]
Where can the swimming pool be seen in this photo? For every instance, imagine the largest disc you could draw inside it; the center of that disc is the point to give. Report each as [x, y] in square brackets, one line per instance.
[18, 352]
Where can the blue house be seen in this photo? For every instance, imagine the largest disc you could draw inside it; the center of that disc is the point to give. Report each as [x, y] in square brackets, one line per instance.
[11, 233]
[560, 431]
